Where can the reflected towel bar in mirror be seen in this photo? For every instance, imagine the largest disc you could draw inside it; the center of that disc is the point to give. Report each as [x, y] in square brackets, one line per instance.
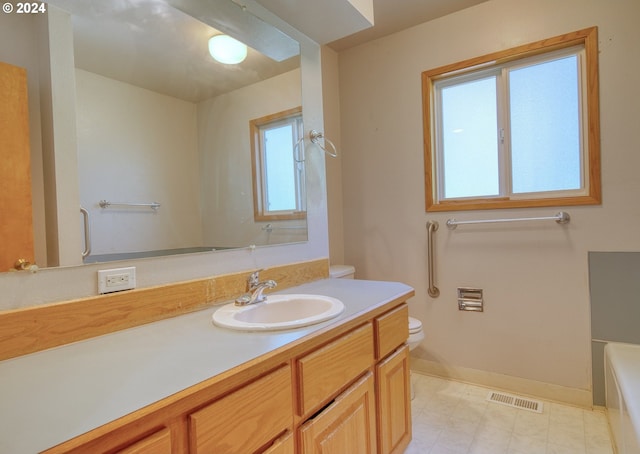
[107, 204]
[270, 227]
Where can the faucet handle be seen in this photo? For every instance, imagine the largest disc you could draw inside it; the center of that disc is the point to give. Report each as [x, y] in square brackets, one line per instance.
[253, 279]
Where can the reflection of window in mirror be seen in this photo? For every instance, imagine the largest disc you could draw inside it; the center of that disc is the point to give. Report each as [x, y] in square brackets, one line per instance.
[278, 171]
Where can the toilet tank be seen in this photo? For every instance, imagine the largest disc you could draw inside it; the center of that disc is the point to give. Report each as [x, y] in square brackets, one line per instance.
[341, 271]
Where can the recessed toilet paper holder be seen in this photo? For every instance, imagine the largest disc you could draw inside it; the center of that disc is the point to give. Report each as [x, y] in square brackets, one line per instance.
[470, 299]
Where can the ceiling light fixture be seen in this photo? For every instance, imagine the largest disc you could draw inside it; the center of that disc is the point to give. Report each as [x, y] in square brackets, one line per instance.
[225, 49]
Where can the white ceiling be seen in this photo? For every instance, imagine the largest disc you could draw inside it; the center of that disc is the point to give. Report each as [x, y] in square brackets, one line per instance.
[112, 39]
[150, 44]
[391, 16]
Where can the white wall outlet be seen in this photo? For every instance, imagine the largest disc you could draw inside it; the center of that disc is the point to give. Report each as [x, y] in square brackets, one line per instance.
[116, 279]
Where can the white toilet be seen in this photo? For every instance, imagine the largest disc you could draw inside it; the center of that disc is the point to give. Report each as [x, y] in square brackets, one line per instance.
[416, 335]
[341, 271]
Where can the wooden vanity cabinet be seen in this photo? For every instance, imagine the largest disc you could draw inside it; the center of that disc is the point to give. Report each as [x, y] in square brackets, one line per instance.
[254, 415]
[347, 423]
[393, 386]
[346, 392]
[374, 413]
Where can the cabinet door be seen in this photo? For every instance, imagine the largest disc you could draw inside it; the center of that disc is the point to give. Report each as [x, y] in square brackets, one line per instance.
[394, 402]
[245, 420]
[346, 426]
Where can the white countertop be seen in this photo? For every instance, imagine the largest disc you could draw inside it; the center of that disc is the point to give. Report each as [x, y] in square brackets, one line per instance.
[54, 395]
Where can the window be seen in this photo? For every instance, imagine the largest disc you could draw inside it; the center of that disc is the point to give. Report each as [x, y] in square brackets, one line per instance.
[517, 128]
[278, 177]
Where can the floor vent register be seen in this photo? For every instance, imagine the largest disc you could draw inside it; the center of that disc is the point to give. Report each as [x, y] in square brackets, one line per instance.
[515, 401]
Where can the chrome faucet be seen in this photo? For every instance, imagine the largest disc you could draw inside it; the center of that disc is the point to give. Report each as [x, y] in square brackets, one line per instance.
[255, 289]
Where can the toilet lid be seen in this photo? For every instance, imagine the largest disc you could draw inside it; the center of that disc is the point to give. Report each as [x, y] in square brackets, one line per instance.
[341, 270]
[415, 325]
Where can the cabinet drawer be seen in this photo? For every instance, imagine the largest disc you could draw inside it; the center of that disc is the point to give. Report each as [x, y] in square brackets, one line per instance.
[246, 419]
[325, 371]
[158, 443]
[392, 330]
[283, 445]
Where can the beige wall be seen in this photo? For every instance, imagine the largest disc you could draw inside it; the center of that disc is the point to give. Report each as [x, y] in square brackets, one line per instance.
[139, 146]
[535, 277]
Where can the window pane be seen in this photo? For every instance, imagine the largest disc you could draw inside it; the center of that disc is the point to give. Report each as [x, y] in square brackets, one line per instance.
[469, 137]
[545, 128]
[279, 168]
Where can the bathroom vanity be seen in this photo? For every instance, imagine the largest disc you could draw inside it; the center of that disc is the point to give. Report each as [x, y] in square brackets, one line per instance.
[183, 385]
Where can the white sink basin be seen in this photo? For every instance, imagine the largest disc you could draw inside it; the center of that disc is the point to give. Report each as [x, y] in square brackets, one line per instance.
[279, 312]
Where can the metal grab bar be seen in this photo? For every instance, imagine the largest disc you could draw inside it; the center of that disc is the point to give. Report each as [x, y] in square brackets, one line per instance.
[107, 204]
[433, 291]
[561, 218]
[87, 233]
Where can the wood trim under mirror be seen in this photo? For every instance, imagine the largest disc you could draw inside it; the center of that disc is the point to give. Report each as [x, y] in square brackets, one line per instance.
[38, 328]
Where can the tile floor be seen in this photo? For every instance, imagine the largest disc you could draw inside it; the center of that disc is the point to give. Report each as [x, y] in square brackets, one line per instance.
[455, 418]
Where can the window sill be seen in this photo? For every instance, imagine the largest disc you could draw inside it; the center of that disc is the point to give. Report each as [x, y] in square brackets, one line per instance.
[491, 204]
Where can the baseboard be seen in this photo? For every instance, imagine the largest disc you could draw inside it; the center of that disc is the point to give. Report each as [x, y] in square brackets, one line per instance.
[547, 391]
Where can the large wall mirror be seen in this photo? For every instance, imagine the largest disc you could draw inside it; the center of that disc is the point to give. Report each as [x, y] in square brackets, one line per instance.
[161, 153]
